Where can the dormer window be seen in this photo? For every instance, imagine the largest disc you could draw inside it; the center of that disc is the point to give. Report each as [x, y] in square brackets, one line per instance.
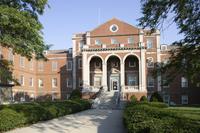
[98, 42]
[149, 43]
[114, 41]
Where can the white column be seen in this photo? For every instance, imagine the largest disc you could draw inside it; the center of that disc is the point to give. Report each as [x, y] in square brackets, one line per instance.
[104, 76]
[143, 71]
[158, 59]
[86, 73]
[74, 64]
[122, 76]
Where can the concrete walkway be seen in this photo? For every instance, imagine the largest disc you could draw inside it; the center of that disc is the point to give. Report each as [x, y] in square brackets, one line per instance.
[90, 121]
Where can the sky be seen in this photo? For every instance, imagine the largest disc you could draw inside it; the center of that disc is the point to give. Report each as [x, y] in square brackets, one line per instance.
[67, 17]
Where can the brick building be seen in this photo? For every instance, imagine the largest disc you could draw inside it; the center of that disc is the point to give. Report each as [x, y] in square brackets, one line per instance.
[116, 56]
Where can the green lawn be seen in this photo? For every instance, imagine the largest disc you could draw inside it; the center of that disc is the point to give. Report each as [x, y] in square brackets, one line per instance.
[189, 112]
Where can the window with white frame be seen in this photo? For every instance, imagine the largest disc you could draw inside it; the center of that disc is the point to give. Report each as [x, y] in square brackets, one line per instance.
[54, 82]
[132, 80]
[150, 81]
[31, 64]
[81, 43]
[149, 43]
[69, 83]
[10, 55]
[166, 99]
[21, 80]
[130, 40]
[69, 65]
[114, 41]
[40, 83]
[54, 66]
[22, 61]
[132, 64]
[31, 82]
[184, 99]
[165, 83]
[97, 42]
[40, 66]
[79, 63]
[184, 82]
[150, 63]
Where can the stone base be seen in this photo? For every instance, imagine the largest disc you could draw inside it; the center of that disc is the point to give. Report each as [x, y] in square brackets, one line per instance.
[138, 95]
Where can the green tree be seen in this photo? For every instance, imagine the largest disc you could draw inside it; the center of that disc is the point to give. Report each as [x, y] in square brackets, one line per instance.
[185, 57]
[20, 28]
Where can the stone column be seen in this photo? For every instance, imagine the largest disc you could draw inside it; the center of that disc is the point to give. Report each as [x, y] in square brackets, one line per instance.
[86, 71]
[104, 76]
[143, 71]
[122, 76]
[158, 59]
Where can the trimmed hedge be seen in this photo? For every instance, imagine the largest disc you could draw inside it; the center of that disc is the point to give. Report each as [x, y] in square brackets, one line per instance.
[156, 97]
[143, 99]
[17, 115]
[156, 118]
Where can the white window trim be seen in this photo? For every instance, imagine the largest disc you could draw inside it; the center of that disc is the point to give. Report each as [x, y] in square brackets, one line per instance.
[150, 40]
[22, 61]
[69, 62]
[166, 97]
[134, 78]
[113, 26]
[148, 81]
[31, 64]
[32, 81]
[22, 80]
[148, 63]
[183, 100]
[52, 65]
[184, 82]
[39, 83]
[52, 83]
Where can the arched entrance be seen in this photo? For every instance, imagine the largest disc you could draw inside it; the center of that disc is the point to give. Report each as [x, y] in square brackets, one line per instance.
[113, 73]
[96, 72]
[131, 72]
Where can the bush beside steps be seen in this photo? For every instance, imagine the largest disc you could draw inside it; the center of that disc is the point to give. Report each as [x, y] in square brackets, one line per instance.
[18, 115]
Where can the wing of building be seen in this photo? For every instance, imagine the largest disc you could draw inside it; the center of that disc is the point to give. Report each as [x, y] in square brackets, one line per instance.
[115, 56]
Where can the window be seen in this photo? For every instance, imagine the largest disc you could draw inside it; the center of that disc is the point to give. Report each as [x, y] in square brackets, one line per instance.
[69, 65]
[31, 64]
[40, 83]
[166, 99]
[54, 82]
[150, 63]
[31, 82]
[97, 64]
[130, 40]
[79, 63]
[81, 43]
[114, 41]
[149, 43]
[114, 28]
[184, 99]
[54, 66]
[165, 84]
[132, 64]
[40, 66]
[132, 80]
[98, 42]
[10, 55]
[150, 81]
[21, 80]
[22, 61]
[69, 83]
[184, 82]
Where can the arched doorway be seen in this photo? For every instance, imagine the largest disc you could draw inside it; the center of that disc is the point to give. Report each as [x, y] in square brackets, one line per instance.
[131, 72]
[113, 73]
[96, 72]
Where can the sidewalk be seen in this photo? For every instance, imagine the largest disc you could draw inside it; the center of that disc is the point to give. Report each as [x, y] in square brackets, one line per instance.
[90, 121]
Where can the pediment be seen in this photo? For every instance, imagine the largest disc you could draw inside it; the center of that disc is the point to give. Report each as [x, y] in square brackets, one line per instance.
[114, 27]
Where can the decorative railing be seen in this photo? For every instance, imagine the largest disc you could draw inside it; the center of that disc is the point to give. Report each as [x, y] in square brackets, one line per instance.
[131, 88]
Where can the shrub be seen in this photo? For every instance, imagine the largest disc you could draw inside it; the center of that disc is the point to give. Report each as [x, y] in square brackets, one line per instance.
[143, 99]
[17, 115]
[76, 94]
[155, 97]
[133, 99]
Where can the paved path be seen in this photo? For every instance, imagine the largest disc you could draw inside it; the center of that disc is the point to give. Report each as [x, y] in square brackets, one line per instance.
[90, 121]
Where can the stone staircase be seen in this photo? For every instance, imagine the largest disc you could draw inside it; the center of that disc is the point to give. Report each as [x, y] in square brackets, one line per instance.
[108, 100]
